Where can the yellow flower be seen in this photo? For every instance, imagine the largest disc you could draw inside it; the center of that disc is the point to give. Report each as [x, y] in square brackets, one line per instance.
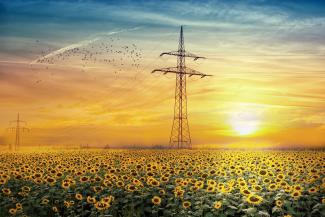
[97, 189]
[217, 204]
[296, 194]
[186, 204]
[91, 199]
[119, 183]
[312, 190]
[211, 189]
[55, 209]
[45, 201]
[272, 187]
[25, 189]
[254, 199]
[297, 188]
[65, 185]
[156, 200]
[245, 191]
[279, 203]
[100, 205]
[19, 206]
[12, 211]
[78, 196]
[50, 181]
[84, 179]
[67, 204]
[162, 192]
[6, 191]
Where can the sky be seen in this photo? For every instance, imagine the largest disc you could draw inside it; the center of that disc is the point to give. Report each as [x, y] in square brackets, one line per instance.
[79, 72]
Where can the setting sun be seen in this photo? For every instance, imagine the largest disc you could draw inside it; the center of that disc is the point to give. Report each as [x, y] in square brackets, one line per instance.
[245, 121]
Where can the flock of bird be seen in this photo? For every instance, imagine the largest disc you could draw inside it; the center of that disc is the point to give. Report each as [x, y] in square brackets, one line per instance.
[99, 52]
[111, 51]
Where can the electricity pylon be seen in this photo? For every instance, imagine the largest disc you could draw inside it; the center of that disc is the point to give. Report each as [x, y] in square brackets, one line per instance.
[18, 129]
[180, 134]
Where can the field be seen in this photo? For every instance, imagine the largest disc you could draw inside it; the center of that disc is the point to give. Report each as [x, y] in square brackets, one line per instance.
[162, 183]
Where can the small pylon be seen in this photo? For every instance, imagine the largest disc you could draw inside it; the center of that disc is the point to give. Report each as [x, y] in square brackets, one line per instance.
[18, 129]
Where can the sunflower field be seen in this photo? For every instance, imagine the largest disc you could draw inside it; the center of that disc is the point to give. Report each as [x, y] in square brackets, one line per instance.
[162, 183]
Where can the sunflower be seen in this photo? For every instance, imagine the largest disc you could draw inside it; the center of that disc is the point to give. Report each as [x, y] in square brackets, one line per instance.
[100, 205]
[262, 172]
[254, 199]
[217, 204]
[211, 189]
[296, 194]
[84, 179]
[245, 191]
[297, 188]
[164, 179]
[266, 180]
[186, 204]
[91, 199]
[272, 187]
[179, 193]
[279, 203]
[12, 211]
[78, 196]
[45, 201]
[19, 206]
[67, 204]
[50, 180]
[199, 184]
[55, 209]
[211, 182]
[120, 183]
[108, 199]
[131, 188]
[156, 200]
[257, 188]
[65, 185]
[162, 192]
[287, 215]
[6, 191]
[312, 190]
[288, 189]
[136, 182]
[25, 189]
[194, 188]
[184, 183]
[97, 189]
[154, 183]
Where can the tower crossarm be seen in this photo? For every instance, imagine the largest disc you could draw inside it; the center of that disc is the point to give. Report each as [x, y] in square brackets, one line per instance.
[182, 54]
[23, 129]
[187, 71]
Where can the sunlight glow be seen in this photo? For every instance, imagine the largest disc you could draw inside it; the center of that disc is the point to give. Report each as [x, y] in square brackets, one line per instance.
[244, 122]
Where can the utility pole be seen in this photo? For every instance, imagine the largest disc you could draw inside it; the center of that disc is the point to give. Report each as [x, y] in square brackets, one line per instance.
[18, 129]
[180, 133]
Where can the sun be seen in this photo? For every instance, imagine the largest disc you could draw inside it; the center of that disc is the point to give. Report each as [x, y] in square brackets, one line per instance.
[244, 122]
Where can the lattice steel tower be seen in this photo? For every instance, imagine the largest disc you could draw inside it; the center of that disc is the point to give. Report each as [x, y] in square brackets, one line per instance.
[18, 129]
[180, 134]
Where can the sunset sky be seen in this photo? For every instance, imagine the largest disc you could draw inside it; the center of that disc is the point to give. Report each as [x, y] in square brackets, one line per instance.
[267, 59]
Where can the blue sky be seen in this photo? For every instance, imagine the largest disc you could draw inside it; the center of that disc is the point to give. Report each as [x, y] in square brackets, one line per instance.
[62, 22]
